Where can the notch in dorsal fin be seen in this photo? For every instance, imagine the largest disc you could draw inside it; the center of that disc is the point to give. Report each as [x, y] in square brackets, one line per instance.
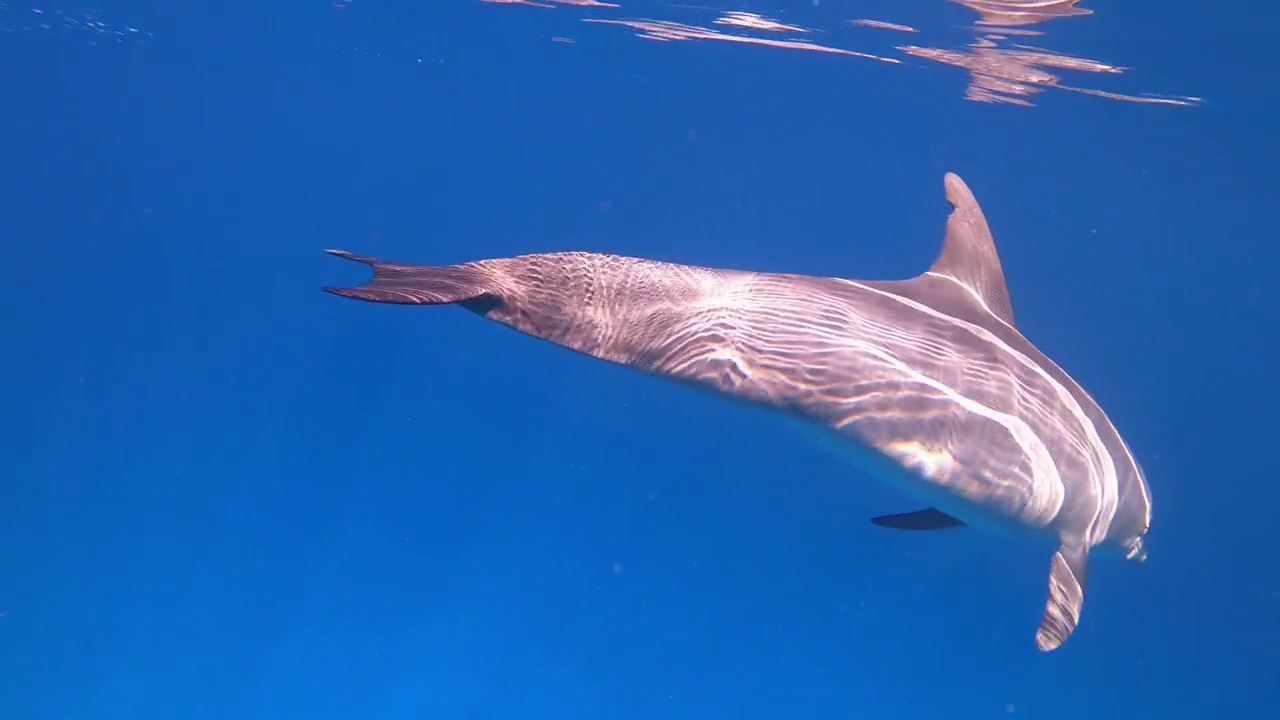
[969, 253]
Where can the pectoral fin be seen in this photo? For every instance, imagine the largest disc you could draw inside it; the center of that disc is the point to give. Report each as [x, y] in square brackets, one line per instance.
[927, 519]
[1066, 595]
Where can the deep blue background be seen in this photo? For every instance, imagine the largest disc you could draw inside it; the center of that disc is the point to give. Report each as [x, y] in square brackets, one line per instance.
[224, 493]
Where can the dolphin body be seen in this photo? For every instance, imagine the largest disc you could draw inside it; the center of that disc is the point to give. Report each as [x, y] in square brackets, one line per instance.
[924, 383]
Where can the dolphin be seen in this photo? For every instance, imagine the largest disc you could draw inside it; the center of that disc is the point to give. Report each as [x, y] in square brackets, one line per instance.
[924, 383]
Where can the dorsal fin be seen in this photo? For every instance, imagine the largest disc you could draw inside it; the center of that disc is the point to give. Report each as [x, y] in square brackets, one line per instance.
[968, 251]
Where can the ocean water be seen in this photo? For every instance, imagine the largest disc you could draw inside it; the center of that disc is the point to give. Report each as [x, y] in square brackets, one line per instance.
[226, 494]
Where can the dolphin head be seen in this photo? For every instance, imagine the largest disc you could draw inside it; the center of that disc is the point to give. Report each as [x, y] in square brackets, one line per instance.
[1127, 534]
[1137, 549]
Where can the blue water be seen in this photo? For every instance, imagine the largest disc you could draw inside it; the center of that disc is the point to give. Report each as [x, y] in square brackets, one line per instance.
[226, 494]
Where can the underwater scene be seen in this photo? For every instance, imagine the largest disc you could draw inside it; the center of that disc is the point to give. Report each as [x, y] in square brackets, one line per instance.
[627, 359]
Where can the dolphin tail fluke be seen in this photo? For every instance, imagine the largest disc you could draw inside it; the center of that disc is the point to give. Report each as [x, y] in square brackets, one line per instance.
[1066, 595]
[416, 284]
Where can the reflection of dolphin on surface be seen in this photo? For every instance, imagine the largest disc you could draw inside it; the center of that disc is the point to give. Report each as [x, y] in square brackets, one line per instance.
[924, 383]
[1004, 72]
[1012, 13]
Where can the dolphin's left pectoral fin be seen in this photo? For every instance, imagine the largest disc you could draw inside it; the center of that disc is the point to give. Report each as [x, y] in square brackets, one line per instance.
[1066, 595]
[927, 519]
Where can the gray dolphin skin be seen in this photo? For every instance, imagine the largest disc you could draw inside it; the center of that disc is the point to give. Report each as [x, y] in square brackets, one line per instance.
[923, 383]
